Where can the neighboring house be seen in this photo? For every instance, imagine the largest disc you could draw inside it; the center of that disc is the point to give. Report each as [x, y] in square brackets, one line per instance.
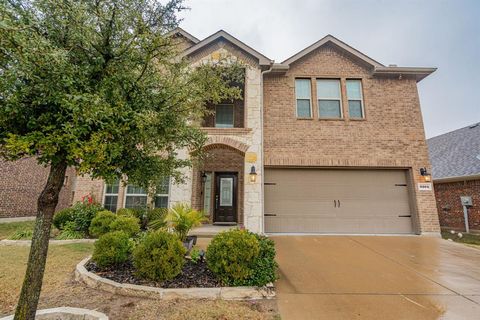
[455, 158]
[21, 183]
[334, 138]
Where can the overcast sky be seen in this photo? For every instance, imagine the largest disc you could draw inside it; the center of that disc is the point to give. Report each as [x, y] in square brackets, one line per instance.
[435, 33]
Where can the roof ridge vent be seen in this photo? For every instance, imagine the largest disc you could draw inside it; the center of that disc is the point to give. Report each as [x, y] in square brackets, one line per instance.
[392, 65]
[474, 125]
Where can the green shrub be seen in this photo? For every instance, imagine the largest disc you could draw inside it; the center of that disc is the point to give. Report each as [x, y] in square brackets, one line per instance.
[231, 256]
[101, 223]
[83, 213]
[63, 216]
[111, 249]
[265, 267]
[129, 225]
[182, 218]
[156, 218]
[196, 255]
[125, 212]
[24, 234]
[159, 256]
[69, 232]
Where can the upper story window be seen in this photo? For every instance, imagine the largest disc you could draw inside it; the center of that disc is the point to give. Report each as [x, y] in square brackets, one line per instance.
[303, 98]
[135, 197]
[110, 198]
[161, 196]
[355, 99]
[329, 98]
[224, 116]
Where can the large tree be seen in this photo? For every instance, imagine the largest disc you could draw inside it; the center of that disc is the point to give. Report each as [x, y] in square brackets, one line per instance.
[97, 85]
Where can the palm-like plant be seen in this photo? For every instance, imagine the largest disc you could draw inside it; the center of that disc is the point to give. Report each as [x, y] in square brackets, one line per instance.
[182, 218]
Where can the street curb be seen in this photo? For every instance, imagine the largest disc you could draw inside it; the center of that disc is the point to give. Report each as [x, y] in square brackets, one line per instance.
[225, 293]
[67, 313]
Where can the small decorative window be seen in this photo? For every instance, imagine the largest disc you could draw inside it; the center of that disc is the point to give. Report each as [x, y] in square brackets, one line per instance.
[110, 198]
[224, 116]
[161, 197]
[135, 197]
[303, 98]
[329, 98]
[355, 99]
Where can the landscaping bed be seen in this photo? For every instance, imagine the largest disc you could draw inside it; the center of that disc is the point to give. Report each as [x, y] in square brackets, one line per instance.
[192, 275]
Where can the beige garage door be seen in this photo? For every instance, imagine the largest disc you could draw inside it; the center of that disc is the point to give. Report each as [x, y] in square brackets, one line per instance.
[337, 201]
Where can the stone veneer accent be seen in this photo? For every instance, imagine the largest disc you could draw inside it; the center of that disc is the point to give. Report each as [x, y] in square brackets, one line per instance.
[225, 293]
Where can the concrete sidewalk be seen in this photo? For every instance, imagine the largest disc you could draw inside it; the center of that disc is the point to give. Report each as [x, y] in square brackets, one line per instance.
[16, 219]
[349, 277]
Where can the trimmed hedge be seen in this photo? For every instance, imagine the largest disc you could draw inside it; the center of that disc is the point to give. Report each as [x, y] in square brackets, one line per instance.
[129, 225]
[111, 249]
[231, 256]
[101, 223]
[62, 217]
[242, 258]
[159, 256]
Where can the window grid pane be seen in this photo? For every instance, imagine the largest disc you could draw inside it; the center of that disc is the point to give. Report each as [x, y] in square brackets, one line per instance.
[355, 108]
[131, 189]
[163, 186]
[161, 202]
[329, 108]
[110, 203]
[354, 90]
[224, 116]
[328, 89]
[302, 88]
[303, 108]
[133, 202]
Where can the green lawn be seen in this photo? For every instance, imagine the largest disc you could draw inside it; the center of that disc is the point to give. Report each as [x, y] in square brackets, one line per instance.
[467, 238]
[9, 228]
[61, 289]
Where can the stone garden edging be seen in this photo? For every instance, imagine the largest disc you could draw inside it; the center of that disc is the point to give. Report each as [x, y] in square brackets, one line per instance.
[7, 242]
[225, 293]
[66, 313]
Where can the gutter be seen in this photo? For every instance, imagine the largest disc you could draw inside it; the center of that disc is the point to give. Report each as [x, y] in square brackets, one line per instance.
[457, 178]
[262, 198]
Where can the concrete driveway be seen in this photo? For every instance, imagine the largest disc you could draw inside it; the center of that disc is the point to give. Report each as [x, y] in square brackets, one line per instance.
[363, 277]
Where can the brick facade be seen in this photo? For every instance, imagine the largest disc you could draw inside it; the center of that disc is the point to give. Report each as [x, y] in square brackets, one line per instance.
[21, 183]
[450, 210]
[390, 136]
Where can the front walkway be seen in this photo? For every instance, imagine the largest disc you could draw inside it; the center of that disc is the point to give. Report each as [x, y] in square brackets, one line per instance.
[363, 277]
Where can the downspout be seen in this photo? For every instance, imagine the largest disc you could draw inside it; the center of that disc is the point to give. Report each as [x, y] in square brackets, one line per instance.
[262, 199]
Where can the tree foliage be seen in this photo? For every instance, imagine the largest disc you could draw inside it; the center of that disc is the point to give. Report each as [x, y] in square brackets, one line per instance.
[98, 85]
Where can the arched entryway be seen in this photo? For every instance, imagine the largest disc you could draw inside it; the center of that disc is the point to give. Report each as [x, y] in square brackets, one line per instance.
[218, 184]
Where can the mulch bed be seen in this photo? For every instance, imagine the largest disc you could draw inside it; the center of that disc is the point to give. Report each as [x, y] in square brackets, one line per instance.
[192, 275]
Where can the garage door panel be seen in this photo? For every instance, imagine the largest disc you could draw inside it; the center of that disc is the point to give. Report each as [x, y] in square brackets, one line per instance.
[370, 201]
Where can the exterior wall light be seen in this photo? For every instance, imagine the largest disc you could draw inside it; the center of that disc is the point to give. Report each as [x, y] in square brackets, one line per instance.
[253, 175]
[204, 177]
[427, 177]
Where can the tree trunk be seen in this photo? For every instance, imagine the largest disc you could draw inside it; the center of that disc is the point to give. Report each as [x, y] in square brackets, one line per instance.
[32, 283]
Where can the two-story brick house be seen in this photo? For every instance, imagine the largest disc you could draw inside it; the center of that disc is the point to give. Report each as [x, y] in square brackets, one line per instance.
[328, 141]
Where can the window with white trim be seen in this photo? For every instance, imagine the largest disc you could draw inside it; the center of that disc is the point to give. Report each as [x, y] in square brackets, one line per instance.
[303, 98]
[161, 196]
[355, 99]
[329, 98]
[224, 116]
[135, 197]
[110, 197]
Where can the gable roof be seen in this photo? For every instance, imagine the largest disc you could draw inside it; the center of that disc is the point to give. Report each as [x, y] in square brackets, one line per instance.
[456, 154]
[262, 60]
[378, 69]
[331, 39]
[183, 33]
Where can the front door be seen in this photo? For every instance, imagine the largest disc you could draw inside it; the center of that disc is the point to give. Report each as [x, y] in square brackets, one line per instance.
[225, 198]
